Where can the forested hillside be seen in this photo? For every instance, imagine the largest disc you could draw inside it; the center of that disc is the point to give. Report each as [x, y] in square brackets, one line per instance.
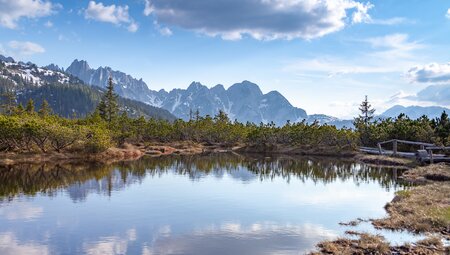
[67, 96]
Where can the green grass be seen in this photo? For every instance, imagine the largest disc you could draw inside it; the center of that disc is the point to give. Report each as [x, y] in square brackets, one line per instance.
[403, 193]
[443, 214]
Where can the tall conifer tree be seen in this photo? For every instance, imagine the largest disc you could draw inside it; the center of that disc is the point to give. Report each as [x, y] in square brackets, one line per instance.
[30, 106]
[108, 106]
[45, 109]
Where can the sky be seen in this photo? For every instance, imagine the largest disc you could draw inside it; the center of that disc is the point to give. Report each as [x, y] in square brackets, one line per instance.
[323, 55]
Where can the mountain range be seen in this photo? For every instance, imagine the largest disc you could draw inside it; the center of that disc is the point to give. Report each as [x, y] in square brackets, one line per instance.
[242, 101]
[415, 112]
[66, 94]
[78, 89]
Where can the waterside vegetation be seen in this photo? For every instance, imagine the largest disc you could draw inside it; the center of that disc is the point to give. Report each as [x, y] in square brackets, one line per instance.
[420, 209]
[30, 130]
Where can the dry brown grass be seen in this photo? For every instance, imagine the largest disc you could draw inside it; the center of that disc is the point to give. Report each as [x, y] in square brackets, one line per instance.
[182, 148]
[117, 154]
[374, 244]
[437, 172]
[421, 209]
[326, 151]
[128, 152]
[428, 246]
[385, 160]
[364, 244]
[185, 148]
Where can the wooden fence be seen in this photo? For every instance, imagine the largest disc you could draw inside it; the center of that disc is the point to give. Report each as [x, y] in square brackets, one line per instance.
[425, 152]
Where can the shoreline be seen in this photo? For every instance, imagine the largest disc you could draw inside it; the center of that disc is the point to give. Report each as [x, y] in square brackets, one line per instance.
[135, 151]
[423, 209]
[434, 181]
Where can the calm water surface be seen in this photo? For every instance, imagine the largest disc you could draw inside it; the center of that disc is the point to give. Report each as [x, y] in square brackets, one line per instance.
[220, 204]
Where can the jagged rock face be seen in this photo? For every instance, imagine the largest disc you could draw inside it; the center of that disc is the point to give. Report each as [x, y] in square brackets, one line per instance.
[6, 59]
[242, 101]
[66, 94]
[54, 67]
[125, 85]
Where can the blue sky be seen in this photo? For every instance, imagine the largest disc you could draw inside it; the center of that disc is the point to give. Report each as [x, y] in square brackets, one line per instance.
[323, 55]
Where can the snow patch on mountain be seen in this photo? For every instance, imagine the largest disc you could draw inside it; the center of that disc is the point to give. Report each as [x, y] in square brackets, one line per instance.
[31, 73]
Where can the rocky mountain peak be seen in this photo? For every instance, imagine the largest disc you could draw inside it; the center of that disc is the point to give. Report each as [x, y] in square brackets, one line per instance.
[6, 59]
[54, 67]
[243, 101]
[245, 87]
[196, 86]
[79, 68]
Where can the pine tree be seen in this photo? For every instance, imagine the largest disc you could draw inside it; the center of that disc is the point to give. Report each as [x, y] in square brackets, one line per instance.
[8, 102]
[101, 109]
[367, 112]
[197, 115]
[108, 106]
[222, 117]
[363, 121]
[30, 106]
[442, 128]
[45, 109]
[19, 109]
[190, 114]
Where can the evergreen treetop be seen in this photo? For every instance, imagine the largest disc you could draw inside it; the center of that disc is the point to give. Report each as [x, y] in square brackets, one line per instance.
[30, 106]
[45, 109]
[108, 106]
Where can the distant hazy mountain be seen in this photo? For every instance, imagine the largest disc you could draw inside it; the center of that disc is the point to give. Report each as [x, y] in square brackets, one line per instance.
[322, 119]
[439, 94]
[66, 94]
[415, 112]
[242, 101]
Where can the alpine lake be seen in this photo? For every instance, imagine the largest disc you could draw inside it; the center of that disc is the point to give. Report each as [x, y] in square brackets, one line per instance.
[201, 204]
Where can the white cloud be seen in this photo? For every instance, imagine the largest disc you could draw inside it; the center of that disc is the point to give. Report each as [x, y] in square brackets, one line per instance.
[394, 41]
[21, 211]
[12, 11]
[256, 238]
[25, 48]
[262, 20]
[331, 67]
[437, 94]
[133, 27]
[391, 21]
[48, 24]
[376, 64]
[448, 14]
[9, 245]
[431, 73]
[162, 30]
[148, 8]
[395, 49]
[111, 244]
[117, 15]
[433, 95]
[165, 31]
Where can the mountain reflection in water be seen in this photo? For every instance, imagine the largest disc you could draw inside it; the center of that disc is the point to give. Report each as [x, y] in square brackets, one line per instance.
[203, 204]
[81, 179]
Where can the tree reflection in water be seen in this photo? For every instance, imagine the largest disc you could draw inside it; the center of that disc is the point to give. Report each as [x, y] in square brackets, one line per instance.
[81, 179]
